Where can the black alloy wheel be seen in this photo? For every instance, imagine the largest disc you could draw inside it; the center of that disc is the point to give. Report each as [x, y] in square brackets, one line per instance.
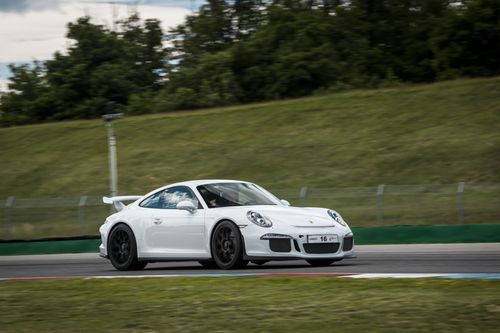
[122, 249]
[227, 246]
[320, 262]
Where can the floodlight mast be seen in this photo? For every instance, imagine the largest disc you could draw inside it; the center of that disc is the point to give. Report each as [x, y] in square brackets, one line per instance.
[113, 171]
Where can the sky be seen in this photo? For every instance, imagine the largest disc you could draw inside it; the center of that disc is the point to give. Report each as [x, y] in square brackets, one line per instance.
[34, 29]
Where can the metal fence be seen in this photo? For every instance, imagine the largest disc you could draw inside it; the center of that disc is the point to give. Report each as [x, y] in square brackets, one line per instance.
[382, 205]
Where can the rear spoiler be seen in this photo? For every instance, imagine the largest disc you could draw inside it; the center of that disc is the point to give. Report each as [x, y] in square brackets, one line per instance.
[117, 201]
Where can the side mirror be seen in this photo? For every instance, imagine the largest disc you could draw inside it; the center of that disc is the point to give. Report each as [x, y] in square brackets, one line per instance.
[187, 205]
[285, 202]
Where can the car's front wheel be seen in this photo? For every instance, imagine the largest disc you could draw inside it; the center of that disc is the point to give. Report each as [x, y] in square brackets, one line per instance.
[320, 262]
[227, 246]
[122, 249]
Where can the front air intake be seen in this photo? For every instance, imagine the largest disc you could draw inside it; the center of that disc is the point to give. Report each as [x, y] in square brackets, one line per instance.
[280, 245]
[318, 248]
[348, 243]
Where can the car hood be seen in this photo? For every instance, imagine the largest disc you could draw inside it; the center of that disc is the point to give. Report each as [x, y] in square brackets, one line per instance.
[296, 216]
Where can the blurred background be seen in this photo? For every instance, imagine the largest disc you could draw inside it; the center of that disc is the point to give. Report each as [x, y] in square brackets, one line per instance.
[386, 110]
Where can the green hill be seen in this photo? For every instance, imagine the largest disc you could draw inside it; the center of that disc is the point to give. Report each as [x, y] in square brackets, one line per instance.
[440, 133]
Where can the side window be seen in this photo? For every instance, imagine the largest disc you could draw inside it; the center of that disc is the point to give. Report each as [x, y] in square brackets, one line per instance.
[172, 196]
[169, 198]
[152, 201]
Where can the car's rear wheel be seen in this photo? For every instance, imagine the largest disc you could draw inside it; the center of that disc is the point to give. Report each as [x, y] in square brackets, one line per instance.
[122, 249]
[227, 246]
[320, 262]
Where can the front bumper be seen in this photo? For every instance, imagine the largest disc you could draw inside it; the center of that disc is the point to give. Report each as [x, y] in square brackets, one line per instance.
[297, 246]
[103, 230]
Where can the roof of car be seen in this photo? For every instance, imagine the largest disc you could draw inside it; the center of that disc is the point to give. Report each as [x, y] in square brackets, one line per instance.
[194, 183]
[206, 181]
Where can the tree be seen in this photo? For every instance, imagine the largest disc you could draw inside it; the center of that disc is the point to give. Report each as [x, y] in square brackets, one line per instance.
[98, 73]
[252, 50]
[247, 16]
[144, 52]
[208, 31]
[210, 83]
[24, 103]
[467, 43]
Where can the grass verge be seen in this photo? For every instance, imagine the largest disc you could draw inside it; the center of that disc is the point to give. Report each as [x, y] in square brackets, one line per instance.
[250, 305]
[439, 133]
[434, 134]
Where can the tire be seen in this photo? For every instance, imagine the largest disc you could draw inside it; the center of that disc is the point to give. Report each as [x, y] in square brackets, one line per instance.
[227, 246]
[259, 262]
[320, 262]
[122, 249]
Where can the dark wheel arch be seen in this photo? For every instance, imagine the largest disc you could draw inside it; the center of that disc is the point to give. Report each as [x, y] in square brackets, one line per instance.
[132, 262]
[111, 230]
[212, 235]
[238, 256]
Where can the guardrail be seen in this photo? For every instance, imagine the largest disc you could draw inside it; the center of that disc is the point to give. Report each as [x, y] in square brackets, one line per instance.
[382, 205]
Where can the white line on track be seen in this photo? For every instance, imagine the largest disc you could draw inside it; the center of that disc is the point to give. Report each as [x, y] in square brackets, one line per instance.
[493, 276]
[427, 248]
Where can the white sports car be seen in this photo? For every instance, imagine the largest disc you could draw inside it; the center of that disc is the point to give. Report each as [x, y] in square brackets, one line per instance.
[224, 223]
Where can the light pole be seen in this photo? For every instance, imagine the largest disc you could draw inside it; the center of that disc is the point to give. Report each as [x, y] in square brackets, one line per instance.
[113, 172]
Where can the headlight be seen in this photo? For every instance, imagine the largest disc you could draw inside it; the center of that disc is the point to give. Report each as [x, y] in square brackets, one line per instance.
[336, 216]
[259, 220]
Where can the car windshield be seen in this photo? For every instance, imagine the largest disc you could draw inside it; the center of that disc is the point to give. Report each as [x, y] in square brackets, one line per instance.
[233, 194]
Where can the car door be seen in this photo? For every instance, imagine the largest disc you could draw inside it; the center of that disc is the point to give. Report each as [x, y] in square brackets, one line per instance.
[173, 233]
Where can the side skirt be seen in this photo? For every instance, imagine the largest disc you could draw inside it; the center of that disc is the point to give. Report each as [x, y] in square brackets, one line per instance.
[165, 259]
[252, 258]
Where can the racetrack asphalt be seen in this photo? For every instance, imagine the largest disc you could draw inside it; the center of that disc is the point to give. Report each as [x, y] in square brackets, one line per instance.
[415, 258]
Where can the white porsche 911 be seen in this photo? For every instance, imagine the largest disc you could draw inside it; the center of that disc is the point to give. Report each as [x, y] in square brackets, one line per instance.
[224, 223]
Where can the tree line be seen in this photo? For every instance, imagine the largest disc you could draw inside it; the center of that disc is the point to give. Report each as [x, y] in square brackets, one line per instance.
[243, 51]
